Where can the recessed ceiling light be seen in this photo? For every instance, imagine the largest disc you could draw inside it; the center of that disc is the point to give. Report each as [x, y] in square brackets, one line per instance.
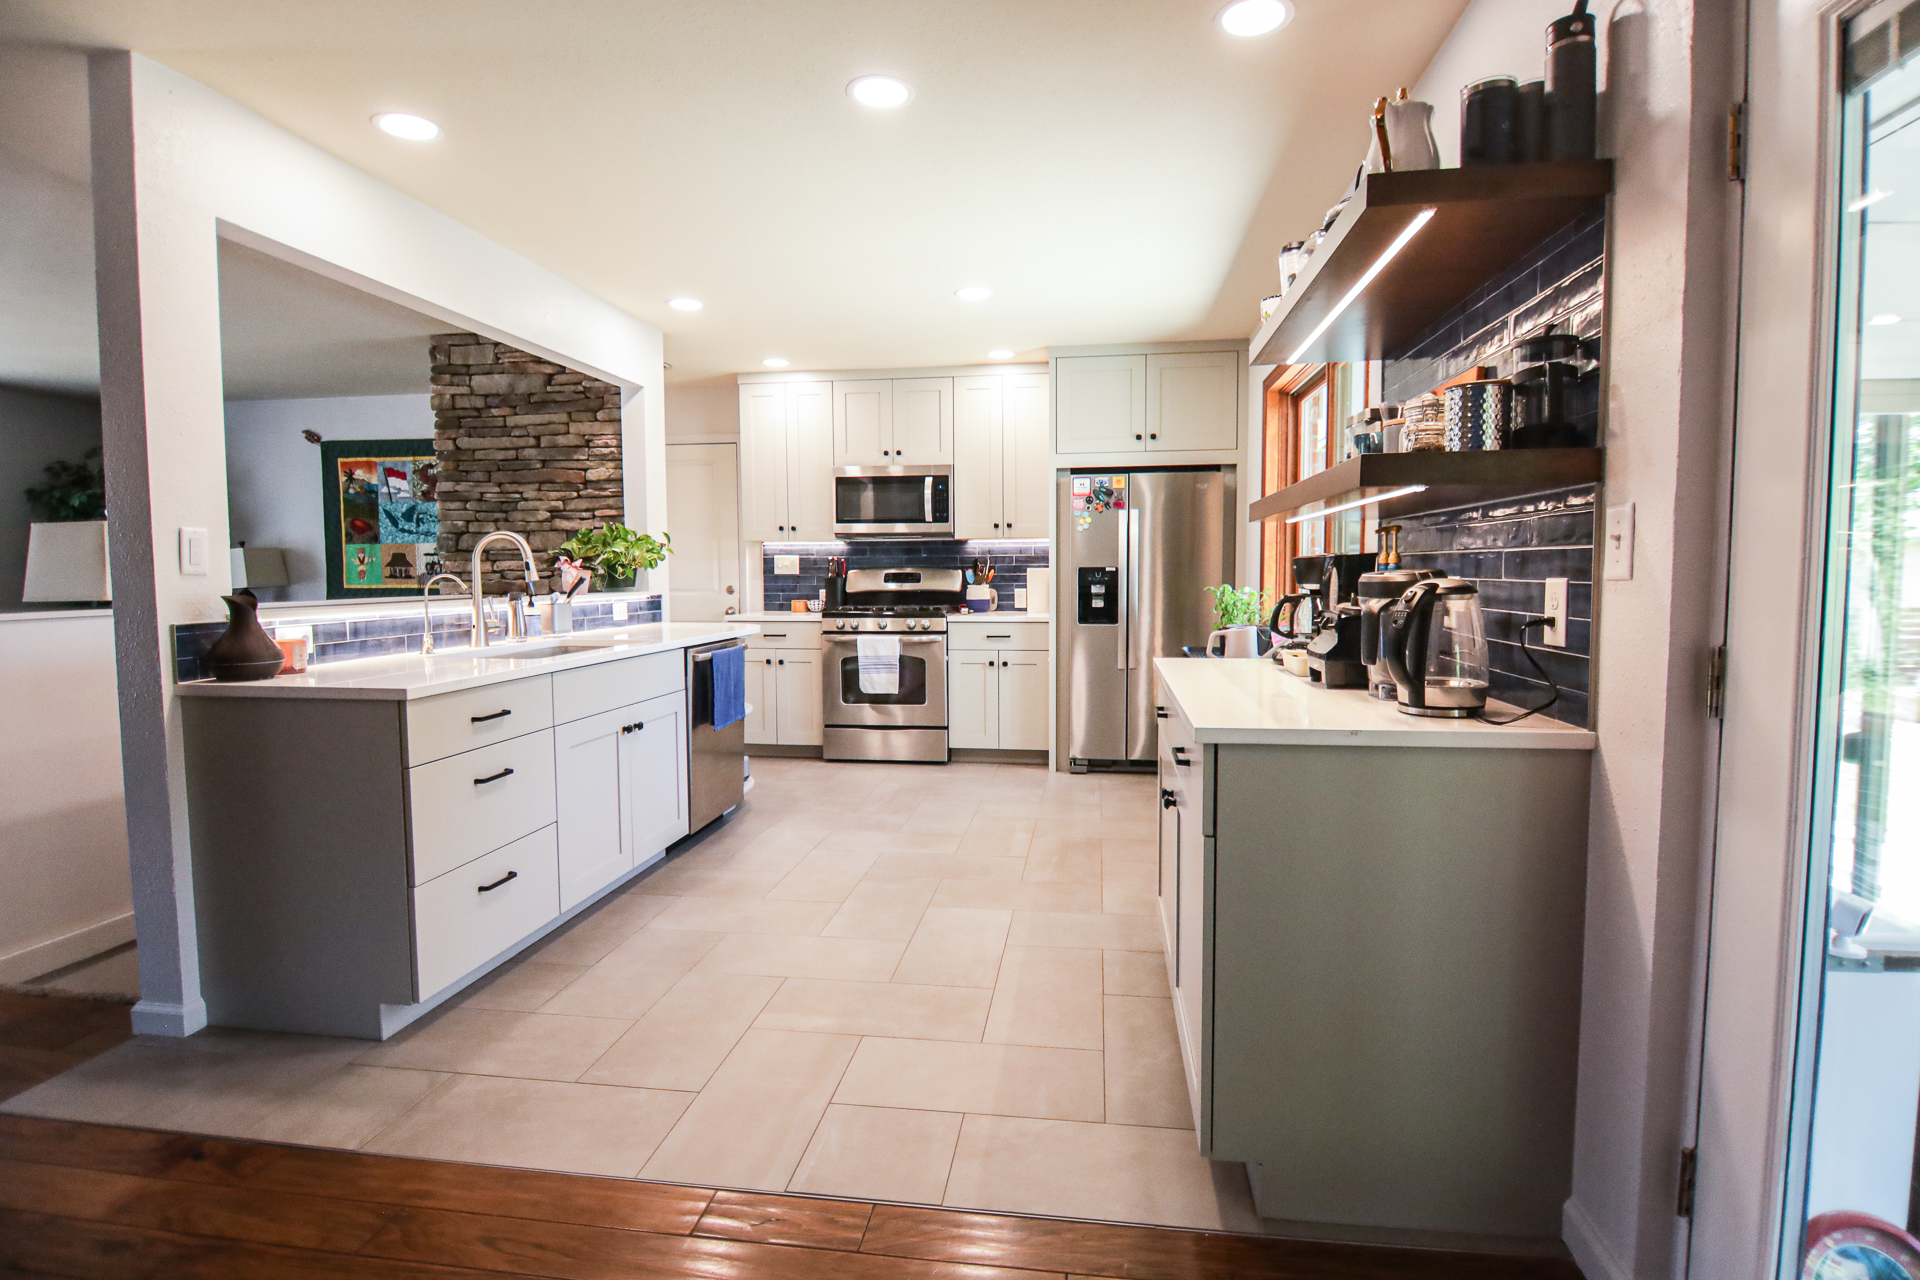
[402, 125]
[999, 353]
[685, 304]
[1255, 17]
[973, 293]
[882, 92]
[776, 362]
[1885, 319]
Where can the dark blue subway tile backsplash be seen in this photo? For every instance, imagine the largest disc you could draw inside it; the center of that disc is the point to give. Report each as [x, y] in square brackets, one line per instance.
[1010, 561]
[373, 637]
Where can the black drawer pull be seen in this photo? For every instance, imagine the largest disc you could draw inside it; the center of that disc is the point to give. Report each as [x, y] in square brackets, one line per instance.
[1159, 713]
[1167, 799]
[1180, 758]
[511, 875]
[495, 777]
[495, 716]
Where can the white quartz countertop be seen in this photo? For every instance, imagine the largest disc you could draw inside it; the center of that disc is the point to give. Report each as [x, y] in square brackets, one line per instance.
[1251, 701]
[402, 676]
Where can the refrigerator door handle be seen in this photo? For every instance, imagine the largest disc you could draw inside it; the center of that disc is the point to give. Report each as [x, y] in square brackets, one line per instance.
[1123, 584]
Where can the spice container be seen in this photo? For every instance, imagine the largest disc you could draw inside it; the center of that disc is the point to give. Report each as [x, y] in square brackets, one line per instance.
[1424, 429]
[1478, 415]
[1489, 111]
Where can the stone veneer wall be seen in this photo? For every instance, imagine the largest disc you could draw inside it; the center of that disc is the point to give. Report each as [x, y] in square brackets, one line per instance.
[524, 445]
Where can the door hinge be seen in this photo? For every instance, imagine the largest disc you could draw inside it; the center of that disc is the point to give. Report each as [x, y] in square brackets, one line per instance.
[1737, 142]
[1717, 682]
[1689, 1168]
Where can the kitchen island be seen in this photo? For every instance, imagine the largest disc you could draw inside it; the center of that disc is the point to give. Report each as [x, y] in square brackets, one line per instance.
[1373, 932]
[371, 836]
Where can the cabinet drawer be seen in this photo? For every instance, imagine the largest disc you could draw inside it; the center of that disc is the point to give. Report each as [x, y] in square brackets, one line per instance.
[468, 804]
[1028, 637]
[456, 722]
[590, 690]
[472, 913]
[802, 633]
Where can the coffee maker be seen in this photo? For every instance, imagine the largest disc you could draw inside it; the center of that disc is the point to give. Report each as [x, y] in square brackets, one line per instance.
[1333, 654]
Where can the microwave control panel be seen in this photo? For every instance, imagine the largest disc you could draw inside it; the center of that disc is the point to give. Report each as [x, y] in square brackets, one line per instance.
[1099, 597]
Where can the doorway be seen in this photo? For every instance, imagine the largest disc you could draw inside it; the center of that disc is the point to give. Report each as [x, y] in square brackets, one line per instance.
[703, 513]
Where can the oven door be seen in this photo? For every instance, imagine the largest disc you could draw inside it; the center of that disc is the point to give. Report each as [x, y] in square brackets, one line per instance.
[920, 702]
[893, 502]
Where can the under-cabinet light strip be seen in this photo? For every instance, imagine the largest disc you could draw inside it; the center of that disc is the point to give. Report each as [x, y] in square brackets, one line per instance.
[1379, 264]
[1401, 492]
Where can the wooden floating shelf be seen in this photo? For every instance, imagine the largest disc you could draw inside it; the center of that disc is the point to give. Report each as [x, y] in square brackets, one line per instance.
[1485, 219]
[1452, 480]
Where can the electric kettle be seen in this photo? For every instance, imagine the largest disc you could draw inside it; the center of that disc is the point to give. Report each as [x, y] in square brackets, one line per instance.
[1434, 640]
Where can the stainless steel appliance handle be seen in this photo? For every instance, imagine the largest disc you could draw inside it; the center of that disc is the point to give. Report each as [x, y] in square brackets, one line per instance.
[1124, 606]
[927, 494]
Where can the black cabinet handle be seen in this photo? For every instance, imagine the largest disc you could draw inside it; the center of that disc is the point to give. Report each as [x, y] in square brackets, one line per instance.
[511, 875]
[1159, 713]
[1136, 437]
[783, 662]
[495, 716]
[493, 777]
[1167, 800]
[1180, 758]
[635, 727]
[1153, 435]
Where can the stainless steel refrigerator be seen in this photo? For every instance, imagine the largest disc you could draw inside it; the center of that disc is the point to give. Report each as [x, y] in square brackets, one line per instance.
[1137, 550]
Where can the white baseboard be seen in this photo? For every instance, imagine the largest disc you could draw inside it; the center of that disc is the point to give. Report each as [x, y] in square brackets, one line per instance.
[158, 1018]
[1588, 1247]
[45, 956]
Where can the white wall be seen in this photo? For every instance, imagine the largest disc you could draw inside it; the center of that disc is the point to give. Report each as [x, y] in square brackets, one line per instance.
[63, 835]
[704, 412]
[1663, 120]
[35, 429]
[175, 167]
[274, 480]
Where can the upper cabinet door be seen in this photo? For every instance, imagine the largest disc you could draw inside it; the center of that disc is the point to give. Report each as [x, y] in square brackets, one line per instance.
[810, 461]
[1193, 401]
[922, 420]
[1026, 509]
[863, 423]
[1100, 404]
[977, 465]
[763, 462]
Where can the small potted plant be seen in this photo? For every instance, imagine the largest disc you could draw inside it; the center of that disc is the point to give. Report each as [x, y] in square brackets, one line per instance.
[616, 554]
[1237, 609]
[67, 544]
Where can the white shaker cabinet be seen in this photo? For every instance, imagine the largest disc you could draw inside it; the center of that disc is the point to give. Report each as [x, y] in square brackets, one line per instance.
[883, 422]
[621, 778]
[1153, 402]
[1193, 401]
[863, 423]
[786, 461]
[1100, 404]
[783, 684]
[997, 688]
[1001, 476]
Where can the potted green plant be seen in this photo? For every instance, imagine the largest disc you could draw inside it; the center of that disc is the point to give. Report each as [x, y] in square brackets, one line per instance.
[617, 554]
[67, 544]
[1237, 610]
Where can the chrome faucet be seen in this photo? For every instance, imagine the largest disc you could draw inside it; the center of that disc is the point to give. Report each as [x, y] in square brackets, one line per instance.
[516, 628]
[426, 610]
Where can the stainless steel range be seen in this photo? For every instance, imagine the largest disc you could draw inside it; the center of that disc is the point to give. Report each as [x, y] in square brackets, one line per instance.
[884, 664]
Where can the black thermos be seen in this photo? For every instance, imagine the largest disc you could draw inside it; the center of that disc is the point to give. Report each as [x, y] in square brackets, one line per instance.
[1571, 86]
[1489, 113]
[1530, 127]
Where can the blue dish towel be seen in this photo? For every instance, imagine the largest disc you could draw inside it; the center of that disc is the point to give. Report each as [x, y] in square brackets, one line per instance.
[729, 685]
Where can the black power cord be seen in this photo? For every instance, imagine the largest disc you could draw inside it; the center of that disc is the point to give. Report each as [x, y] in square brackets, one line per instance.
[1526, 626]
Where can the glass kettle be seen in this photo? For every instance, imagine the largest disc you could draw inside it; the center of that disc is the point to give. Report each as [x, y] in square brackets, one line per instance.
[1434, 640]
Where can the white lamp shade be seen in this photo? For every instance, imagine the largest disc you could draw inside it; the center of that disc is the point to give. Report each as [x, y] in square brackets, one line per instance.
[258, 566]
[67, 562]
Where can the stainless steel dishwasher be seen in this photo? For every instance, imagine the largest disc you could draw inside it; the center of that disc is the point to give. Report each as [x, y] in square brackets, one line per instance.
[716, 758]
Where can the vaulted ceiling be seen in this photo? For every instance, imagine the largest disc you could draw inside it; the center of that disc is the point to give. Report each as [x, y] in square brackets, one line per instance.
[1115, 172]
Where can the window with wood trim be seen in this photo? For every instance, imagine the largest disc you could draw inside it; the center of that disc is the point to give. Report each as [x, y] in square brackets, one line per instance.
[1304, 431]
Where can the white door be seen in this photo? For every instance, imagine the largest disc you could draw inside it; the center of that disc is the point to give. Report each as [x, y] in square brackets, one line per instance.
[798, 704]
[809, 462]
[973, 700]
[922, 420]
[653, 776]
[977, 467]
[1100, 404]
[1193, 401]
[763, 461]
[1024, 699]
[763, 692]
[703, 514]
[1026, 509]
[588, 785]
[863, 423]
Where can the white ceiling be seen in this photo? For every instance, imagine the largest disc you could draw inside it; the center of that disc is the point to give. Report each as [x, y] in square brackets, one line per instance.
[1119, 171]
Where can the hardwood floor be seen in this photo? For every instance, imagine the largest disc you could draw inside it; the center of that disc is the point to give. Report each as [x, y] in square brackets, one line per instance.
[111, 1203]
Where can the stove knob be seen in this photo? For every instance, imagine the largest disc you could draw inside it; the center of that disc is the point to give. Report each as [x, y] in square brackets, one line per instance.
[839, 624]
[881, 625]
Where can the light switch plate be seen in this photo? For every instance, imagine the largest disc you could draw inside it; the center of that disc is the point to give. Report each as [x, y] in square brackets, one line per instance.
[787, 566]
[193, 553]
[1555, 607]
[1618, 548]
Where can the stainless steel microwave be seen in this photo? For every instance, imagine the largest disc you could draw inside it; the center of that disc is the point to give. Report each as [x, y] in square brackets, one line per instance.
[893, 502]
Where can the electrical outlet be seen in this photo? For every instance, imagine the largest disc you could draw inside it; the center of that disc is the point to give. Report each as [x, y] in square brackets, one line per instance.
[193, 553]
[1556, 608]
[619, 610]
[786, 566]
[1618, 549]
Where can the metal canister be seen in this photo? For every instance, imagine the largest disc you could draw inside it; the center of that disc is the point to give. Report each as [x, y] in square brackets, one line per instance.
[1489, 115]
[1479, 415]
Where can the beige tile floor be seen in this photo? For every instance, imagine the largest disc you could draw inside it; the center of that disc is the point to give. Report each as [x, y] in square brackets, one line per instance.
[894, 982]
